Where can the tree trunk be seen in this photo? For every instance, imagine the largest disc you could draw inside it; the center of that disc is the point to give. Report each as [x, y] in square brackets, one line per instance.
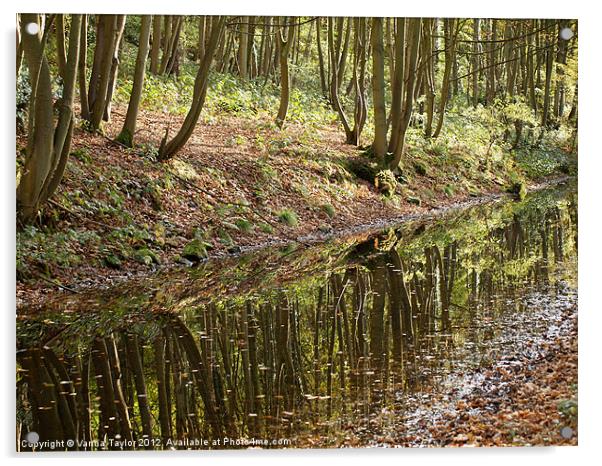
[398, 85]
[545, 116]
[47, 146]
[334, 62]
[83, 58]
[285, 80]
[404, 120]
[322, 70]
[60, 45]
[169, 149]
[379, 145]
[429, 72]
[126, 136]
[201, 42]
[476, 50]
[450, 58]
[243, 42]
[156, 46]
[106, 41]
[114, 68]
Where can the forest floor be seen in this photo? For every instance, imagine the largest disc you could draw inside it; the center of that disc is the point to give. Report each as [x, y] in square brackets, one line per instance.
[239, 183]
[525, 395]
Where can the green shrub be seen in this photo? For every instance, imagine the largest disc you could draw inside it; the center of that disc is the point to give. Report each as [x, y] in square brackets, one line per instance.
[112, 261]
[328, 210]
[266, 227]
[244, 225]
[288, 217]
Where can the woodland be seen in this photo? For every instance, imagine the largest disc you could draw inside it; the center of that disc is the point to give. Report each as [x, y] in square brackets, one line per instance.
[153, 139]
[316, 231]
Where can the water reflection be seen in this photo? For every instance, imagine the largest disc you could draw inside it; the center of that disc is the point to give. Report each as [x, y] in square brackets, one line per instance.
[301, 359]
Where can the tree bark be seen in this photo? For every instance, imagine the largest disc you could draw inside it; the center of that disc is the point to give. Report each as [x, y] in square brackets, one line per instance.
[169, 149]
[476, 50]
[379, 145]
[243, 42]
[156, 46]
[126, 136]
[47, 146]
[285, 80]
[83, 59]
[60, 45]
[404, 120]
[451, 34]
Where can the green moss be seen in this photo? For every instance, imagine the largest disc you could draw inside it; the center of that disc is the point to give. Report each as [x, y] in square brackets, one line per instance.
[362, 168]
[126, 138]
[568, 408]
[195, 250]
[145, 256]
[385, 182]
[449, 190]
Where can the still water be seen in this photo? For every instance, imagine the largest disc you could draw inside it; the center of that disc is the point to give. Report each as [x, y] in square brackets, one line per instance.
[290, 347]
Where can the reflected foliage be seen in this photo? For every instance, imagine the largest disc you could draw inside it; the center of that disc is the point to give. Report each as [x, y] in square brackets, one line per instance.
[298, 358]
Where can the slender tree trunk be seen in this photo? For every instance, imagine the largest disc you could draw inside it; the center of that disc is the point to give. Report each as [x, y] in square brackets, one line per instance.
[106, 37]
[321, 57]
[126, 136]
[379, 145]
[476, 50]
[169, 149]
[106, 116]
[549, 60]
[404, 120]
[450, 57]
[397, 89]
[243, 42]
[60, 45]
[47, 146]
[167, 38]
[334, 62]
[83, 74]
[156, 46]
[201, 42]
[428, 48]
[285, 80]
